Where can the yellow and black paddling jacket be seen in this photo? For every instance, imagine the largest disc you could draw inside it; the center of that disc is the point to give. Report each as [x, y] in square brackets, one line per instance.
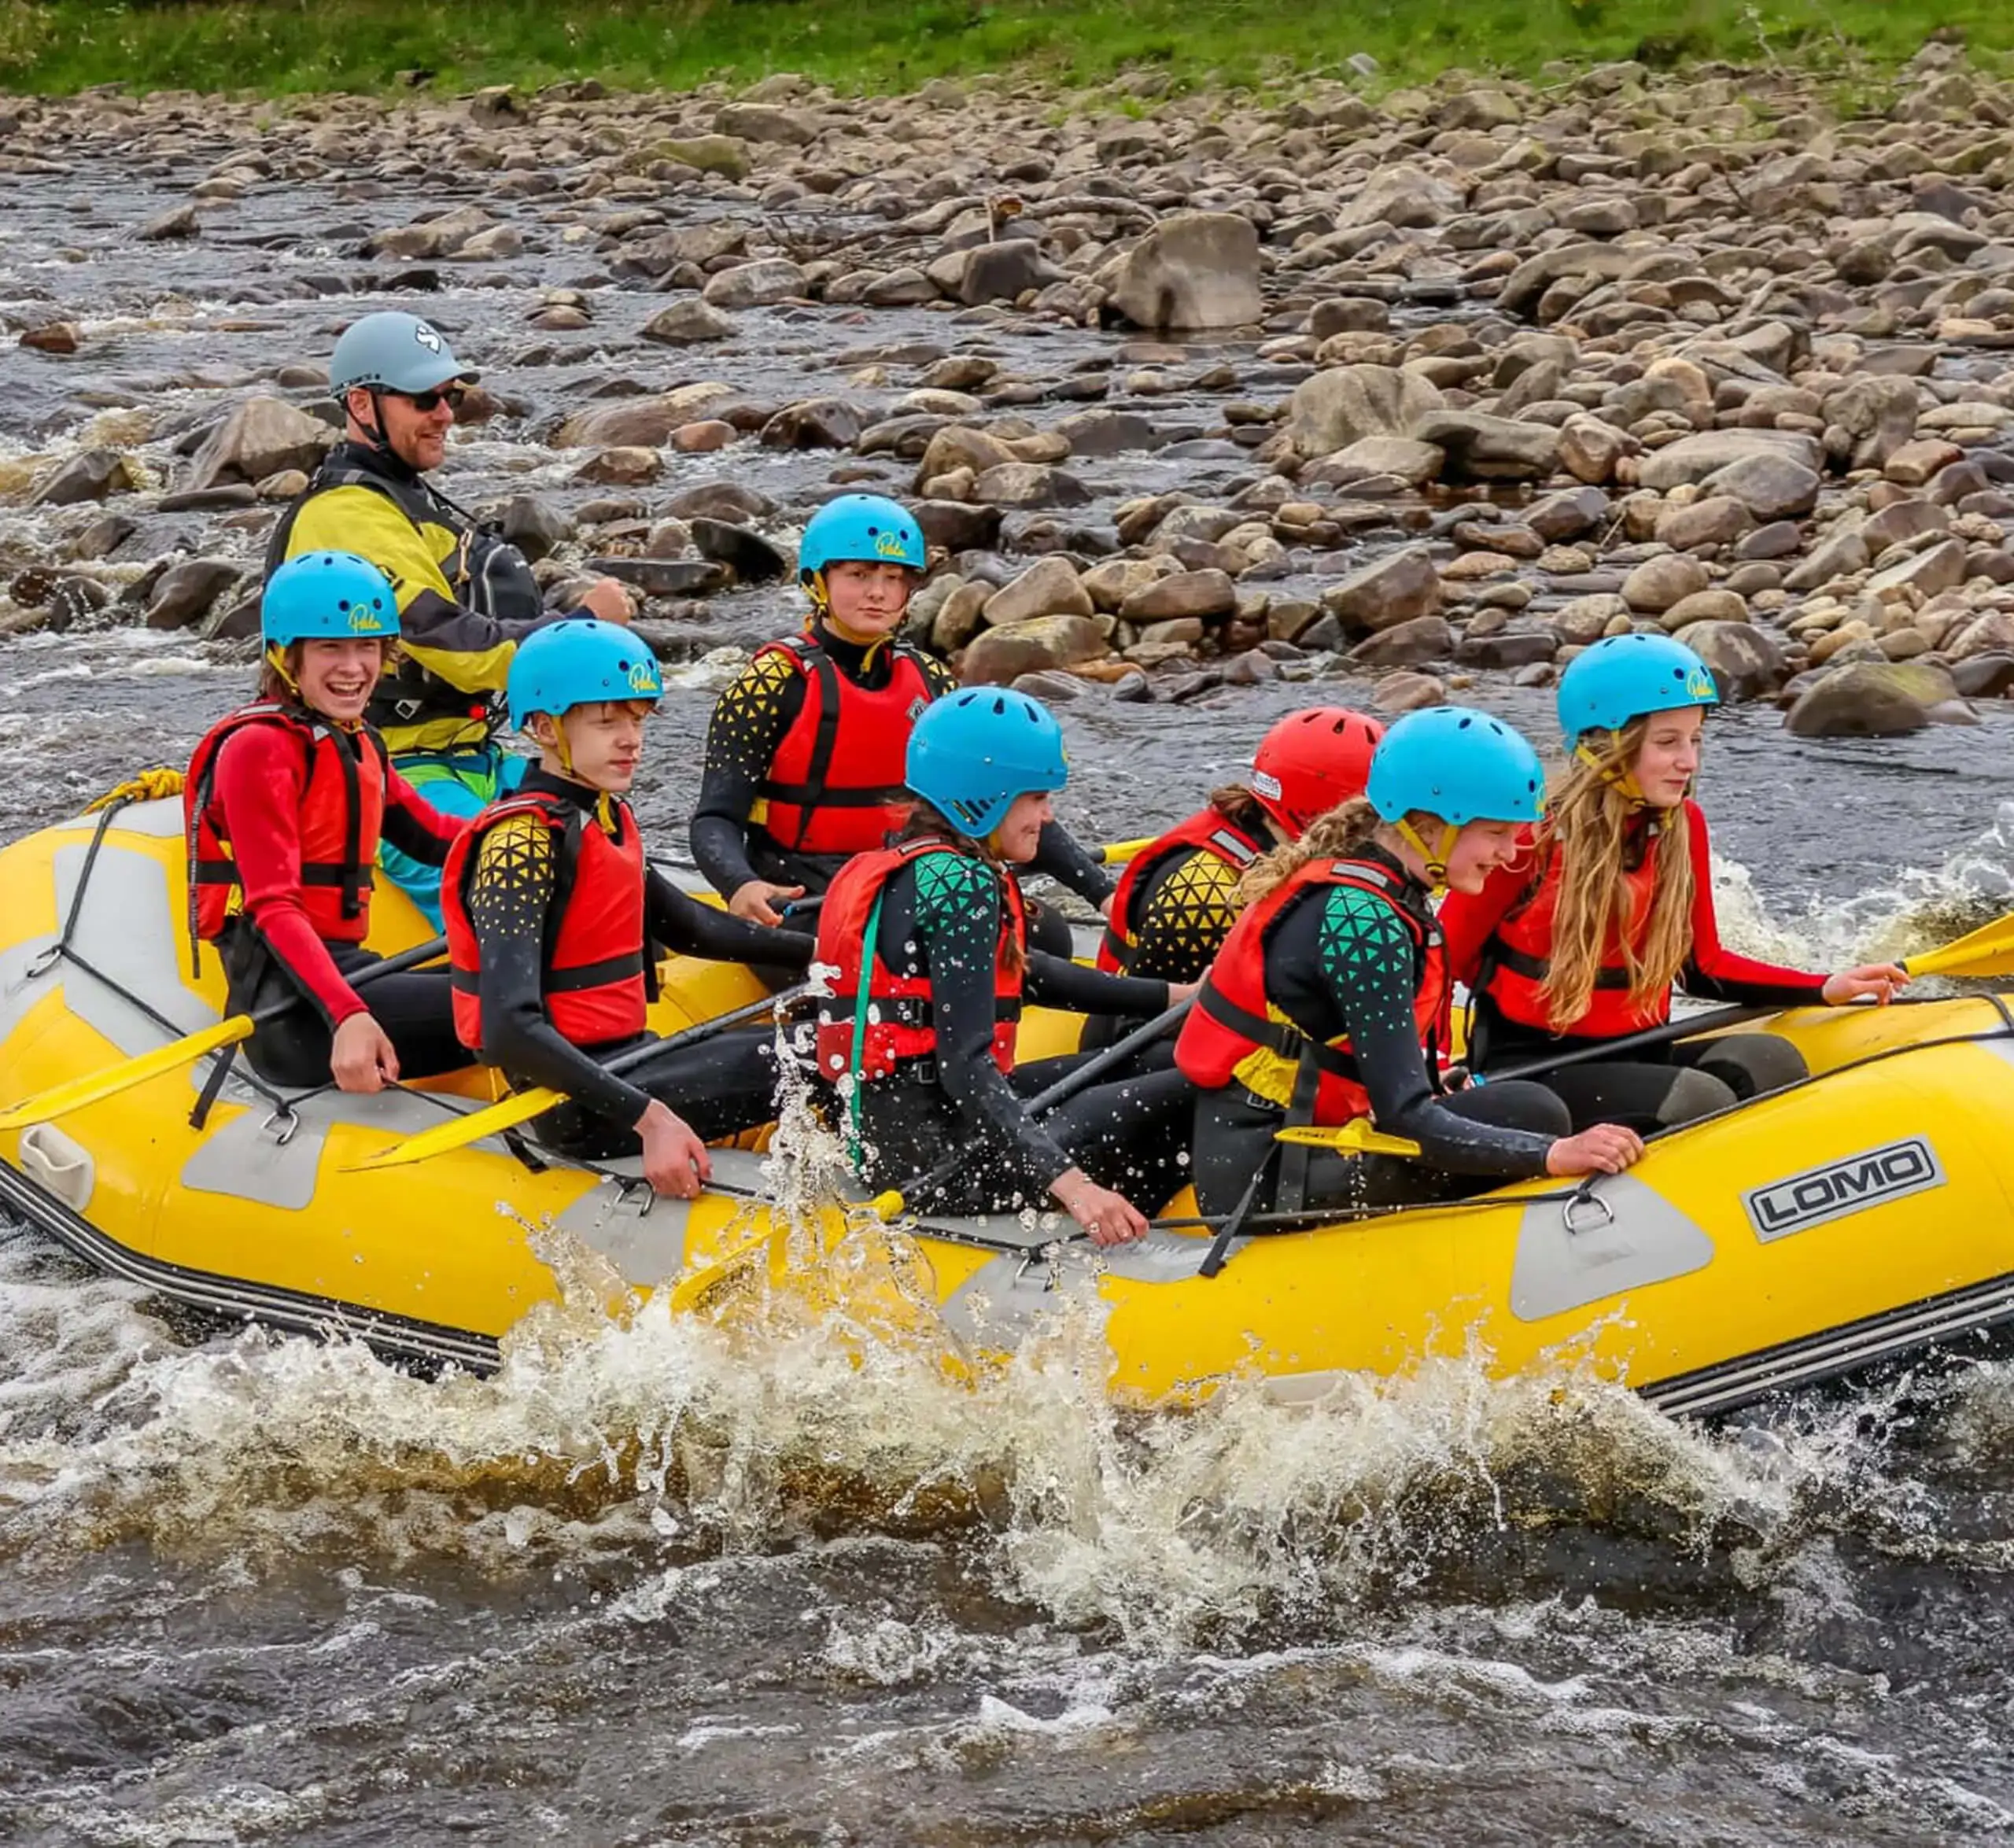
[467, 597]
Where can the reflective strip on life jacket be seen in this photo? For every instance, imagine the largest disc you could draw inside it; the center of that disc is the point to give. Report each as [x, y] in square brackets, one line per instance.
[1208, 832]
[341, 815]
[835, 785]
[594, 978]
[1236, 1032]
[899, 1027]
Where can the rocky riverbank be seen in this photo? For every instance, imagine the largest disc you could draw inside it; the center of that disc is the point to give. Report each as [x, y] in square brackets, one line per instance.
[1432, 386]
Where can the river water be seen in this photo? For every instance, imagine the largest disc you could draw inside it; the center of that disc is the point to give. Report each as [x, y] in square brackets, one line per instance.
[648, 1585]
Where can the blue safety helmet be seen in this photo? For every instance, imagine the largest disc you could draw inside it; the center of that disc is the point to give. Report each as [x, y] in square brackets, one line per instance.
[868, 528]
[973, 752]
[1625, 677]
[1457, 763]
[327, 596]
[392, 352]
[577, 661]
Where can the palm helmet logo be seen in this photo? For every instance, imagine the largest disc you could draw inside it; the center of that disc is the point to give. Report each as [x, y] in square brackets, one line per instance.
[1699, 683]
[364, 619]
[644, 678]
[427, 337]
[888, 544]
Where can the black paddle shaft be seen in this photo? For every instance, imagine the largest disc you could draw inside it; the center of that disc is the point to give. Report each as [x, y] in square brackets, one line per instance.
[1607, 1048]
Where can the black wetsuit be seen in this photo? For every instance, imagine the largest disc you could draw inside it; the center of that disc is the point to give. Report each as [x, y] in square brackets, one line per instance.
[750, 723]
[720, 1087]
[1341, 961]
[941, 919]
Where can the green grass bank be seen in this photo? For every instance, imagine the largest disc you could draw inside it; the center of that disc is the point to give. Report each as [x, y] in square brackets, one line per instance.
[286, 47]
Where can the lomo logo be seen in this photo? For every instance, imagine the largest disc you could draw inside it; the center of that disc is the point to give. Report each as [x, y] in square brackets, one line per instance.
[1841, 1187]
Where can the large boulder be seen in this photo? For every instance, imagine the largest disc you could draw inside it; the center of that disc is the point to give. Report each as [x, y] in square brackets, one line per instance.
[1003, 272]
[649, 421]
[762, 122]
[1874, 416]
[687, 323]
[1693, 459]
[1202, 595]
[1381, 596]
[1877, 699]
[186, 591]
[760, 284]
[1939, 567]
[1407, 644]
[999, 656]
[1402, 459]
[1333, 409]
[1484, 448]
[1747, 662]
[1407, 197]
[1049, 586]
[259, 438]
[1194, 269]
[90, 474]
[1770, 487]
[1657, 584]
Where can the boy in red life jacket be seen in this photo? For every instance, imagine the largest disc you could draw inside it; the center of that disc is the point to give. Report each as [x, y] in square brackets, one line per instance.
[930, 945]
[804, 754]
[286, 801]
[1178, 899]
[1610, 903]
[555, 921]
[1330, 999]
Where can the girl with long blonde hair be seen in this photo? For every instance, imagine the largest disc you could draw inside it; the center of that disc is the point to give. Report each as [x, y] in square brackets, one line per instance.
[1610, 907]
[1329, 1000]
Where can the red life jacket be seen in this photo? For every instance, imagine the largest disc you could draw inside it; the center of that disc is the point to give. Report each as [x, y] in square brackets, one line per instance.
[1235, 1032]
[898, 1025]
[835, 785]
[342, 813]
[596, 981]
[1209, 832]
[1517, 959]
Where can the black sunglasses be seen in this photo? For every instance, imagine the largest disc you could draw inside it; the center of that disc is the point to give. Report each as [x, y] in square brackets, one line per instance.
[450, 395]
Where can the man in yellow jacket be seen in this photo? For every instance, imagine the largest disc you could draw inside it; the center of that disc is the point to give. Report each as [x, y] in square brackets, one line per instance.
[466, 596]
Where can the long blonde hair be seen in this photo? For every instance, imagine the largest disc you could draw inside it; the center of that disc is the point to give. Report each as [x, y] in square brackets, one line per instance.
[1588, 822]
[1346, 829]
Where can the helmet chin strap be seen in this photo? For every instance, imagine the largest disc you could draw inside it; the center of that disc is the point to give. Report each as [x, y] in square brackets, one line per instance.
[1624, 784]
[1435, 857]
[564, 751]
[276, 660]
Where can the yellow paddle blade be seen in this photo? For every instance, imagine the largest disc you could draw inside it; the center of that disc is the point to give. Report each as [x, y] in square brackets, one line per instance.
[1112, 852]
[61, 1100]
[732, 1265]
[887, 1206]
[1988, 951]
[1355, 1138]
[458, 1132]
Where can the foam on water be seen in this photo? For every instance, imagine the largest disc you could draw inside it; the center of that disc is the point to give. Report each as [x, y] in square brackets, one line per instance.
[653, 1437]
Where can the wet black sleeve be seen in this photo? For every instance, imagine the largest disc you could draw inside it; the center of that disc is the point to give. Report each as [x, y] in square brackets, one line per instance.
[1054, 982]
[1061, 855]
[1365, 954]
[681, 922]
[748, 723]
[958, 929]
[508, 894]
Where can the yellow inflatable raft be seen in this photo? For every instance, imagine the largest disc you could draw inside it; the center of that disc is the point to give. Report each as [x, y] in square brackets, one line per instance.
[1859, 1218]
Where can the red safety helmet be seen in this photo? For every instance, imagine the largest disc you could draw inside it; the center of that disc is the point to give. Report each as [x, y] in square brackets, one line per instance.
[1311, 761]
